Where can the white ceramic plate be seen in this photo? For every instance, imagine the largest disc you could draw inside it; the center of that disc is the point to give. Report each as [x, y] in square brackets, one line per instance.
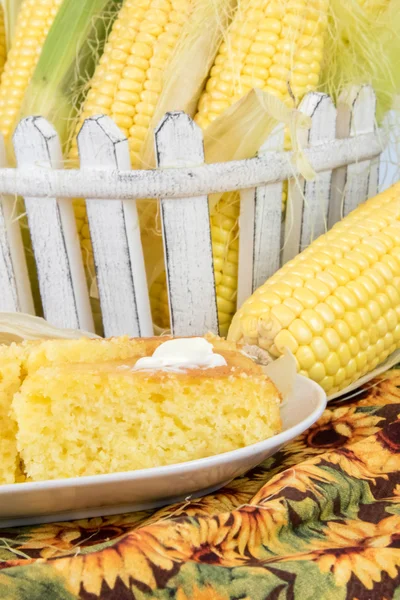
[83, 497]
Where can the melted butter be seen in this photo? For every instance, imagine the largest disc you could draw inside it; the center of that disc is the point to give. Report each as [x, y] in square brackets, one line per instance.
[180, 355]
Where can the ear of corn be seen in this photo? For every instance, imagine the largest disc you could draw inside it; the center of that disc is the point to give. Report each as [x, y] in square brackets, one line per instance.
[237, 134]
[273, 46]
[336, 306]
[34, 21]
[59, 58]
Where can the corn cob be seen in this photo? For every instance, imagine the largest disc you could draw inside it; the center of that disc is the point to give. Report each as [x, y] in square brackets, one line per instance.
[34, 21]
[276, 46]
[336, 306]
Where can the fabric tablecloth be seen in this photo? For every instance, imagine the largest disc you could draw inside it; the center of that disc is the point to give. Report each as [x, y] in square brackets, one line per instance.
[320, 519]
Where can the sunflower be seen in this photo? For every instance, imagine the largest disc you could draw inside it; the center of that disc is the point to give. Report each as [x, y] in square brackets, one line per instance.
[374, 457]
[228, 539]
[358, 548]
[336, 428]
[137, 559]
[153, 552]
[247, 533]
[57, 539]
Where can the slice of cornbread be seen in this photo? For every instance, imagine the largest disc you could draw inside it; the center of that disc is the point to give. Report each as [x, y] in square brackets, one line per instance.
[18, 361]
[103, 417]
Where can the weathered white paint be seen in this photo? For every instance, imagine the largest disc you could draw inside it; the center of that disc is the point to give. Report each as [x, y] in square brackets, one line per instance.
[389, 168]
[184, 182]
[16, 294]
[186, 233]
[53, 232]
[307, 205]
[352, 184]
[260, 227]
[115, 234]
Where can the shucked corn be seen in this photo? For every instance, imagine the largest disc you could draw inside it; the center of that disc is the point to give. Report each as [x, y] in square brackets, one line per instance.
[336, 306]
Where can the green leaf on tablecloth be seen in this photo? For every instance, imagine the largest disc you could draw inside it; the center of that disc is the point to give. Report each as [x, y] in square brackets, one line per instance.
[345, 496]
[37, 582]
[201, 581]
[309, 583]
[257, 583]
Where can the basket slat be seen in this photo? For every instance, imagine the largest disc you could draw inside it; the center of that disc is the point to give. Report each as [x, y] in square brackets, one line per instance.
[354, 183]
[186, 233]
[260, 227]
[16, 294]
[53, 232]
[115, 235]
[307, 206]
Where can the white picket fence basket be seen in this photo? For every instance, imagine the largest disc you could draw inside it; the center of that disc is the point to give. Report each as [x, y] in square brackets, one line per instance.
[343, 146]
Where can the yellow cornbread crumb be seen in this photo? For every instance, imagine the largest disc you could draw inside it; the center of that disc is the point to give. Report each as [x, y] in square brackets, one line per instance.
[17, 361]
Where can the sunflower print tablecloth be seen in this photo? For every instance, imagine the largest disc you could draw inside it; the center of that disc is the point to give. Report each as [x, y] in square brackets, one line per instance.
[320, 519]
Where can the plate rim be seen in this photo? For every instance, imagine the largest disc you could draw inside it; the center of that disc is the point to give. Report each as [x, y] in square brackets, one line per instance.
[178, 468]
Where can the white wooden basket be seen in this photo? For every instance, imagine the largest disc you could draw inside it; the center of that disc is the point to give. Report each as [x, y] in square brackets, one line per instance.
[343, 146]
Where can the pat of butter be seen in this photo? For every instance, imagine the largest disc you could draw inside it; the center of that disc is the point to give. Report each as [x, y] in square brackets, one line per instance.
[181, 354]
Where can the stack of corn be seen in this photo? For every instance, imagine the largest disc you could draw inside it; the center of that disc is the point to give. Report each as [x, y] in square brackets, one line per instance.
[336, 306]
[278, 46]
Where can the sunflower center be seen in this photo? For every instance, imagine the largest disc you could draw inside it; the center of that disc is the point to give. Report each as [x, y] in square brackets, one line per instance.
[326, 437]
